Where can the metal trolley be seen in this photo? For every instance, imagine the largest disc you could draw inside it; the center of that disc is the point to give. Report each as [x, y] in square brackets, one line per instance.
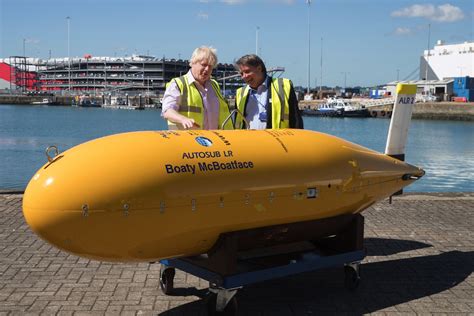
[249, 256]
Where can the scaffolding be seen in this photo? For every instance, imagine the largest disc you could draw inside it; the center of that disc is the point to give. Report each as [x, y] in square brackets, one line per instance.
[23, 74]
[107, 75]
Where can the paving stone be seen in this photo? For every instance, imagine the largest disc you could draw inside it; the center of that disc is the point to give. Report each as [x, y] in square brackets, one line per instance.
[420, 259]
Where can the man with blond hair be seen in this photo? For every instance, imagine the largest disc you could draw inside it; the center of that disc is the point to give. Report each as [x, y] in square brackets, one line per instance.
[194, 101]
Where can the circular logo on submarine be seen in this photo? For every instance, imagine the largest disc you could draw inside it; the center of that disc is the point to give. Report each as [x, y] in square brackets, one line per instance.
[203, 141]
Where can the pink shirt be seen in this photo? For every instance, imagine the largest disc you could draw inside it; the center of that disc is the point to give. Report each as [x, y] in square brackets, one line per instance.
[209, 101]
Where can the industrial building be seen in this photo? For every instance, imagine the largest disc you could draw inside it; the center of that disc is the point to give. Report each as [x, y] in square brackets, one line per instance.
[446, 73]
[447, 61]
[135, 74]
[441, 90]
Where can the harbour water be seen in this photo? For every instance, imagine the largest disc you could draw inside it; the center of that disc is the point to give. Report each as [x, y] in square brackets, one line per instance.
[445, 149]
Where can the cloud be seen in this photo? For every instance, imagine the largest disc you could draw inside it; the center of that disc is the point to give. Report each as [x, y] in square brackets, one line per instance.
[202, 16]
[441, 13]
[289, 2]
[32, 41]
[401, 31]
[233, 2]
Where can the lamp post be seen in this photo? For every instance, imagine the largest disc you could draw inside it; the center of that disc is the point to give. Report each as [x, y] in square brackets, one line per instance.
[428, 60]
[256, 39]
[321, 79]
[428, 52]
[24, 67]
[309, 46]
[398, 74]
[224, 85]
[68, 53]
[345, 73]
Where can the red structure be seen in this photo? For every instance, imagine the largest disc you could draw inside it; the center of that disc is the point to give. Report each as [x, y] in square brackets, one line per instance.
[18, 76]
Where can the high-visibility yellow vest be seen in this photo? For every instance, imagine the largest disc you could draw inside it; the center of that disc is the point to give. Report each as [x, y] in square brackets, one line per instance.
[190, 103]
[279, 95]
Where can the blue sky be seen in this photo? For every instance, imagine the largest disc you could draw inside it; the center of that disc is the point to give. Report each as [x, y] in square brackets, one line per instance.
[366, 41]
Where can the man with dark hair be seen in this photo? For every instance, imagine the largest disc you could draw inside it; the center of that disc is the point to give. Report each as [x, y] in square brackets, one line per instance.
[266, 102]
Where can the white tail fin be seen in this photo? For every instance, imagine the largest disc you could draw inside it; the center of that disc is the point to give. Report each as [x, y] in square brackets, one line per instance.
[401, 117]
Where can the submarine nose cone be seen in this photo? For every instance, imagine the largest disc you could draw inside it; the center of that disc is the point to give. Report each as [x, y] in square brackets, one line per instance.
[85, 201]
[40, 215]
[55, 202]
[54, 211]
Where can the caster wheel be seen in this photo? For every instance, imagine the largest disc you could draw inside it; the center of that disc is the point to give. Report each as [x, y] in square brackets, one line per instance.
[229, 310]
[166, 280]
[351, 278]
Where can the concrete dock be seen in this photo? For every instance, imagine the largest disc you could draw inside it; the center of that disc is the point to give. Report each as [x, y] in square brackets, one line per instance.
[420, 260]
[454, 111]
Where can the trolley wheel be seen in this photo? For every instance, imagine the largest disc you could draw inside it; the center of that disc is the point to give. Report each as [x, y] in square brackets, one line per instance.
[166, 280]
[229, 310]
[351, 277]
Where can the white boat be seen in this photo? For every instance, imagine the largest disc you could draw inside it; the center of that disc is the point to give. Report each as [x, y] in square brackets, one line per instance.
[329, 109]
[332, 107]
[339, 108]
[45, 101]
[346, 108]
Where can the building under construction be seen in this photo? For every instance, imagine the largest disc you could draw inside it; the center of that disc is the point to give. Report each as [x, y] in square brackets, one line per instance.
[136, 74]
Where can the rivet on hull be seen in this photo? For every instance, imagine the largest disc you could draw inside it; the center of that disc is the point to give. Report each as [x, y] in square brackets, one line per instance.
[85, 210]
[162, 207]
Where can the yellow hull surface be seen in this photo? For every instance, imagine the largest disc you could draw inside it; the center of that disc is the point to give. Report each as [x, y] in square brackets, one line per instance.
[145, 196]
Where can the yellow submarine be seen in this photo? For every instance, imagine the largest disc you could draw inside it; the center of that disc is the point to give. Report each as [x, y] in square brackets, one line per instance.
[146, 196]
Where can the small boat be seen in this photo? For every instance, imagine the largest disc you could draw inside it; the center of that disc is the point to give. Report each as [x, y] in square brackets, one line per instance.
[323, 111]
[343, 108]
[329, 109]
[338, 108]
[326, 109]
[310, 112]
[45, 101]
[350, 110]
[88, 102]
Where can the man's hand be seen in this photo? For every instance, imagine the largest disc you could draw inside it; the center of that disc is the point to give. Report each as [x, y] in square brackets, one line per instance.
[187, 123]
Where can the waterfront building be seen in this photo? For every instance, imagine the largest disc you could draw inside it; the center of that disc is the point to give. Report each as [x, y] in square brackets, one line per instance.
[446, 73]
[20, 76]
[136, 74]
[437, 90]
[447, 61]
